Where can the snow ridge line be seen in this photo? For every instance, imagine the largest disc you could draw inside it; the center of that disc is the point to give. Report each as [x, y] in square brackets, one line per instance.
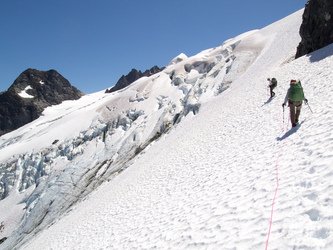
[277, 187]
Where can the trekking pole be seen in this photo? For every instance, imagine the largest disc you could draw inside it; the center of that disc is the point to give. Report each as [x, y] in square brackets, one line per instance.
[309, 107]
[307, 103]
[283, 118]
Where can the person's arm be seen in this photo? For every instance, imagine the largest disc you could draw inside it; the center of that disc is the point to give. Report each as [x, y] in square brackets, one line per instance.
[304, 99]
[269, 82]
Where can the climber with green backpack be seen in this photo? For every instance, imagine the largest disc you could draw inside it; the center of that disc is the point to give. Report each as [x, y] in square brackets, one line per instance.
[295, 97]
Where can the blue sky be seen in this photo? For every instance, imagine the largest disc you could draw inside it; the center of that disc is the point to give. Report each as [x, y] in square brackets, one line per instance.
[94, 43]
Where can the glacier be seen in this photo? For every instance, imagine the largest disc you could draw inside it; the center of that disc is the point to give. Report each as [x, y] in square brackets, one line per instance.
[77, 145]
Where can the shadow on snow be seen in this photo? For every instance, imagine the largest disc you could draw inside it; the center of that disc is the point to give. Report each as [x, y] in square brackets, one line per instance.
[290, 132]
[268, 101]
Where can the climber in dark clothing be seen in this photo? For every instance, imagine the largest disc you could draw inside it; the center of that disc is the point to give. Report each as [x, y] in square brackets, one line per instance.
[272, 84]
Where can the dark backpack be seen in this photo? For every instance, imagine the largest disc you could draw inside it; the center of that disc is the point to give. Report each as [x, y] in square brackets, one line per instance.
[296, 91]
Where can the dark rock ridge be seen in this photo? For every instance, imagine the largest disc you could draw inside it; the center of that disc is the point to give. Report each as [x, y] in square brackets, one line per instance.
[30, 94]
[317, 27]
[132, 76]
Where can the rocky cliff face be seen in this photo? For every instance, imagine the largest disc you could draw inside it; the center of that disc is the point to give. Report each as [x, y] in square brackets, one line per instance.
[131, 77]
[317, 27]
[30, 94]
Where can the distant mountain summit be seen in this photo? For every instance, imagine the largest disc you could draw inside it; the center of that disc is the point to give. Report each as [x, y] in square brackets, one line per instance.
[30, 94]
[131, 77]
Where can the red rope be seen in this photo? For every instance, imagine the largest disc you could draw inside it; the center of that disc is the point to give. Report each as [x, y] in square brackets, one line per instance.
[276, 189]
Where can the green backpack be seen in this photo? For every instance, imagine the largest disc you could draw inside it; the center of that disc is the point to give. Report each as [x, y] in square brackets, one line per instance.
[296, 91]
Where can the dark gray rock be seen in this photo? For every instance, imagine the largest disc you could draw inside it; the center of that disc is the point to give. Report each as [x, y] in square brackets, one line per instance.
[317, 26]
[45, 88]
[131, 77]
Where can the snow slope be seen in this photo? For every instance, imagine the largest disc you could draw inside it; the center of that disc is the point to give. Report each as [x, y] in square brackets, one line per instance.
[202, 146]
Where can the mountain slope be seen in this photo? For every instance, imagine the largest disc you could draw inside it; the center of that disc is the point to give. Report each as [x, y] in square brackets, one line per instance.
[209, 181]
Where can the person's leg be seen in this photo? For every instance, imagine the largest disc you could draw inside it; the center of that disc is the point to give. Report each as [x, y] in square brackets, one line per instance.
[298, 110]
[272, 92]
[292, 113]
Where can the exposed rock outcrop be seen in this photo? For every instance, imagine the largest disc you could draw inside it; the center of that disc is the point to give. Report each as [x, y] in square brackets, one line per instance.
[30, 94]
[317, 27]
[131, 77]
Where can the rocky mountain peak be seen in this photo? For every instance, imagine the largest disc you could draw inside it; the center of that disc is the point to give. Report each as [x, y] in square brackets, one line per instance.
[45, 86]
[131, 77]
[317, 27]
[30, 94]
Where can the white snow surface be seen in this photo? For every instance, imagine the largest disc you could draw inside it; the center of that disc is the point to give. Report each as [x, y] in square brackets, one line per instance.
[194, 157]
[24, 93]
